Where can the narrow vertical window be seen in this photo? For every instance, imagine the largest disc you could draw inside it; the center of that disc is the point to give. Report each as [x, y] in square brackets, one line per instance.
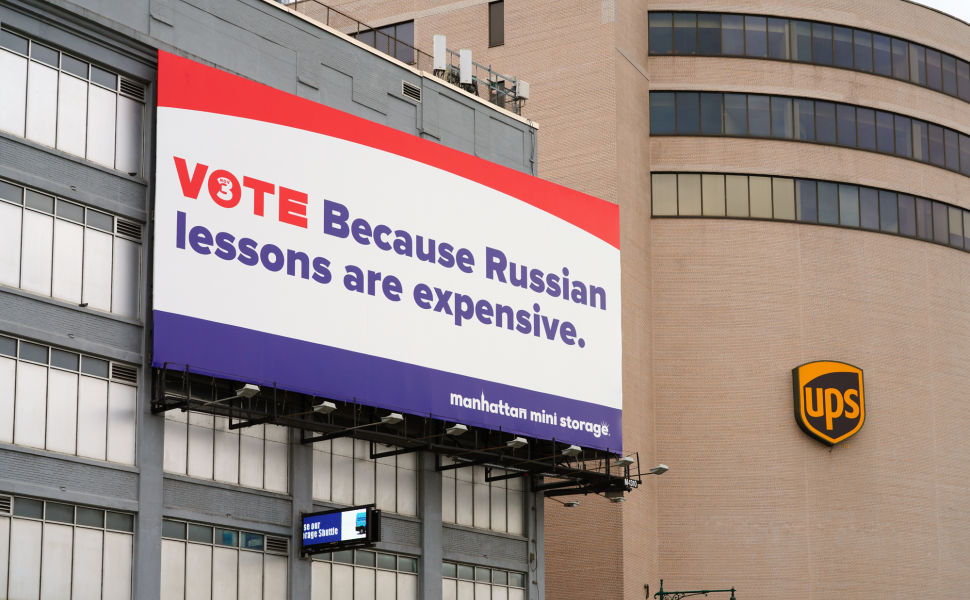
[736, 187]
[712, 114]
[760, 190]
[756, 36]
[965, 154]
[846, 125]
[941, 228]
[882, 55]
[709, 33]
[781, 118]
[664, 194]
[907, 215]
[951, 139]
[689, 195]
[863, 50]
[778, 39]
[688, 113]
[849, 205]
[685, 33]
[934, 69]
[735, 114]
[496, 23]
[712, 188]
[963, 80]
[888, 212]
[804, 120]
[662, 113]
[904, 136]
[869, 208]
[828, 203]
[759, 116]
[825, 123]
[949, 75]
[843, 47]
[900, 60]
[821, 44]
[921, 141]
[937, 148]
[917, 64]
[783, 198]
[924, 219]
[866, 127]
[801, 46]
[956, 226]
[661, 33]
[966, 229]
[732, 35]
[885, 132]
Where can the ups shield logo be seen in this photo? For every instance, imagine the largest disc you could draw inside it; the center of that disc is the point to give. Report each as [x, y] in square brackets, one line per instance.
[829, 400]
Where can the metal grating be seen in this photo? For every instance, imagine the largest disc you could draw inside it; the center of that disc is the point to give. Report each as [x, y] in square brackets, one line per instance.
[5, 503]
[127, 228]
[411, 91]
[133, 89]
[277, 545]
[123, 373]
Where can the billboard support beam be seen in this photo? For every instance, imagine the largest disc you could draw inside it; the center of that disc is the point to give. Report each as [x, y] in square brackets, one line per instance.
[375, 456]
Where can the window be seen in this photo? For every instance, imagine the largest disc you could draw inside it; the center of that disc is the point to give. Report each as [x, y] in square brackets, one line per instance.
[203, 446]
[65, 550]
[466, 582]
[691, 113]
[66, 103]
[468, 499]
[395, 40]
[496, 23]
[67, 251]
[364, 575]
[755, 36]
[344, 473]
[202, 561]
[809, 201]
[62, 401]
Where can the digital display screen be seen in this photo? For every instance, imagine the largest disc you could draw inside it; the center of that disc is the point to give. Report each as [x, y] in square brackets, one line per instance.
[338, 528]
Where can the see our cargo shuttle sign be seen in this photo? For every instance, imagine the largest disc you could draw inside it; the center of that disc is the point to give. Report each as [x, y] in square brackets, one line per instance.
[301, 246]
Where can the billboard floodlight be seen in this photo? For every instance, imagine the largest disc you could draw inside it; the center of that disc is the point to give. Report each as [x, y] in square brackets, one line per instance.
[571, 503]
[392, 419]
[247, 391]
[659, 470]
[626, 461]
[325, 408]
[617, 500]
[517, 443]
[458, 429]
[572, 451]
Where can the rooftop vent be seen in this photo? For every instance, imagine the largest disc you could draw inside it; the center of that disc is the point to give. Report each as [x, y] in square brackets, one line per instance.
[277, 545]
[411, 91]
[133, 89]
[124, 373]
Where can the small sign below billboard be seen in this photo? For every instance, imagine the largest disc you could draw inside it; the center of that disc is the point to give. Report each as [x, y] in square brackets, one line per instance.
[339, 529]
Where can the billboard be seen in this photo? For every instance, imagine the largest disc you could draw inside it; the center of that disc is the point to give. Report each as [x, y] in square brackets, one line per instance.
[331, 530]
[301, 246]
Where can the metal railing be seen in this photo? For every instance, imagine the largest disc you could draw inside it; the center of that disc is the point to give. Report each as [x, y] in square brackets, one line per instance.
[487, 84]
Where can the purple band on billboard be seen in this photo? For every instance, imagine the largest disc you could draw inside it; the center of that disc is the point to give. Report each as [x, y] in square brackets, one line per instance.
[232, 352]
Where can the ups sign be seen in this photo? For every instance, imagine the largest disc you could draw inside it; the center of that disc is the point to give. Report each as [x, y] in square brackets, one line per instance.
[829, 400]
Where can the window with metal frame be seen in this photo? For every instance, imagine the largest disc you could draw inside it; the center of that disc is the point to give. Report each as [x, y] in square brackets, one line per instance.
[57, 550]
[808, 120]
[364, 575]
[468, 582]
[395, 40]
[468, 499]
[496, 23]
[205, 561]
[344, 473]
[68, 251]
[63, 401]
[57, 100]
[779, 38]
[810, 201]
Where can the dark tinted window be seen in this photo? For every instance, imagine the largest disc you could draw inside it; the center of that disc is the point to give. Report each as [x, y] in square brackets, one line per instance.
[907, 215]
[843, 47]
[44, 54]
[934, 69]
[120, 522]
[62, 513]
[25, 507]
[937, 147]
[173, 529]
[781, 118]
[921, 141]
[941, 228]
[41, 202]
[965, 154]
[828, 203]
[756, 36]
[712, 108]
[904, 136]
[496, 23]
[732, 34]
[100, 221]
[661, 33]
[821, 44]
[849, 205]
[778, 39]
[13, 193]
[90, 517]
[13, 42]
[804, 120]
[963, 80]
[685, 33]
[866, 128]
[688, 113]
[33, 352]
[885, 132]
[924, 219]
[801, 46]
[917, 64]
[102, 77]
[759, 116]
[200, 533]
[662, 113]
[949, 75]
[846, 125]
[863, 50]
[74, 66]
[882, 55]
[8, 346]
[708, 33]
[64, 360]
[888, 213]
[869, 208]
[72, 212]
[735, 114]
[94, 366]
[825, 122]
[900, 60]
[952, 150]
[806, 204]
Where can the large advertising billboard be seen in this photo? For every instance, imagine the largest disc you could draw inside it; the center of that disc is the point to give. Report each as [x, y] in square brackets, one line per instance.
[300, 246]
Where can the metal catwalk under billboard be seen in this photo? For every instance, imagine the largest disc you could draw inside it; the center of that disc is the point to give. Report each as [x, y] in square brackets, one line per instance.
[304, 247]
